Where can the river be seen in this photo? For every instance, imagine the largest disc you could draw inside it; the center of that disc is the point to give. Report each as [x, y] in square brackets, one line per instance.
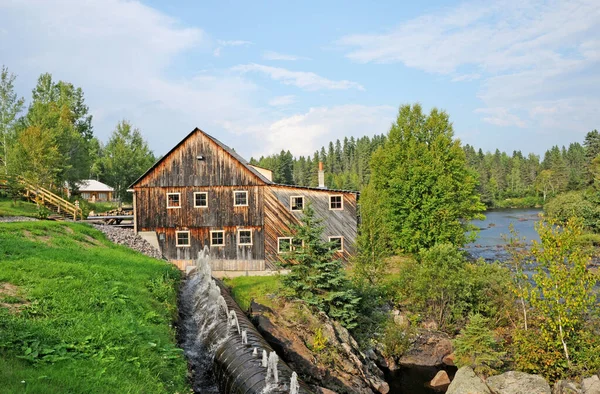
[489, 244]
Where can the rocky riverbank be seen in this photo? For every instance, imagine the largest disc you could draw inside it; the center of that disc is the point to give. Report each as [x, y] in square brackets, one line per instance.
[513, 382]
[322, 351]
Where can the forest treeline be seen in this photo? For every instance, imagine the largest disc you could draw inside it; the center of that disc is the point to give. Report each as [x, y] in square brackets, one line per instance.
[503, 180]
[51, 142]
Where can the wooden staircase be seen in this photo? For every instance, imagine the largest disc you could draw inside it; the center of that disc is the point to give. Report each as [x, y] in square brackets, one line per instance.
[45, 197]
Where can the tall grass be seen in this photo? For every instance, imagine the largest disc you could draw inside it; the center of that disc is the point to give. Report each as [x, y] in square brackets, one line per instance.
[93, 317]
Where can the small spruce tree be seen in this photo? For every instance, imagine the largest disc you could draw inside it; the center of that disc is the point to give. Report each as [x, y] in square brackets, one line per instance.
[316, 275]
[477, 347]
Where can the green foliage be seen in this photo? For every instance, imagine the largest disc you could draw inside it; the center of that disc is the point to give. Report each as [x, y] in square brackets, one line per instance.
[564, 294]
[373, 242]
[244, 289]
[10, 106]
[518, 258]
[42, 212]
[320, 341]
[98, 317]
[397, 339]
[317, 275]
[579, 204]
[445, 288]
[476, 347]
[125, 158]
[421, 175]
[347, 164]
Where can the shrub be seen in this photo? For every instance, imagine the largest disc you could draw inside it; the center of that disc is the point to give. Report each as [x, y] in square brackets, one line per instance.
[397, 339]
[446, 288]
[477, 347]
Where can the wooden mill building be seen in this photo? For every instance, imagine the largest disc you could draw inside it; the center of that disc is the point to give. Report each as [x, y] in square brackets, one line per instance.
[202, 193]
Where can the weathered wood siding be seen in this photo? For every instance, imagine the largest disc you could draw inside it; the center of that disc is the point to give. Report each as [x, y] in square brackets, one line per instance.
[182, 168]
[219, 174]
[279, 217]
[249, 257]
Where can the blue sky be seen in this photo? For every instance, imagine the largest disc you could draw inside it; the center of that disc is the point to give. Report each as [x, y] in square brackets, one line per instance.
[265, 76]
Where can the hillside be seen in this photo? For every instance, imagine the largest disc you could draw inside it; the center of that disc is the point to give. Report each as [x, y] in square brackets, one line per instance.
[80, 314]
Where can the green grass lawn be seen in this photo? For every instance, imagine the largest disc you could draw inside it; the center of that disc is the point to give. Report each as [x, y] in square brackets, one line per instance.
[21, 208]
[260, 288]
[79, 314]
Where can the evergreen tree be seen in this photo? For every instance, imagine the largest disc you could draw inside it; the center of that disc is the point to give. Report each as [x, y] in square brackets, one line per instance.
[316, 275]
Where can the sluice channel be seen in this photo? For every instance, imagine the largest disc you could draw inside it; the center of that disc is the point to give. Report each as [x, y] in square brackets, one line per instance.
[226, 353]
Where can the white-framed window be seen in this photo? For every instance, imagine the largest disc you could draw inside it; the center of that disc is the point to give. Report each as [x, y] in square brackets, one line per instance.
[173, 200]
[244, 237]
[296, 203]
[284, 244]
[288, 244]
[200, 199]
[182, 238]
[240, 198]
[339, 243]
[217, 238]
[336, 202]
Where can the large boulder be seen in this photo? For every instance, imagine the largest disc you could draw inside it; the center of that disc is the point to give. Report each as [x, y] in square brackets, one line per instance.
[591, 385]
[466, 382]
[429, 350]
[514, 382]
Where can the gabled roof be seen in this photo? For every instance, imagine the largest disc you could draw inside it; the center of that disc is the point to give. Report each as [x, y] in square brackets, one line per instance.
[94, 186]
[216, 141]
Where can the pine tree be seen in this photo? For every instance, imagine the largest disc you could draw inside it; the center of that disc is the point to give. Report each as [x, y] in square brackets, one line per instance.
[316, 275]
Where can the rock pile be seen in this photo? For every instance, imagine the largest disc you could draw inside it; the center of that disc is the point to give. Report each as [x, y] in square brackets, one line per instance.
[127, 237]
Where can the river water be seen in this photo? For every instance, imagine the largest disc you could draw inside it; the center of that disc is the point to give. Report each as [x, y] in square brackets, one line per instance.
[489, 245]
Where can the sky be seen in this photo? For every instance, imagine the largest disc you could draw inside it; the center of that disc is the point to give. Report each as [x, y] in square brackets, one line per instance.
[263, 76]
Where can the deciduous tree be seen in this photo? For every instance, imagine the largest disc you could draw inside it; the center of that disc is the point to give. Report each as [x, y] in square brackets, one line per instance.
[421, 174]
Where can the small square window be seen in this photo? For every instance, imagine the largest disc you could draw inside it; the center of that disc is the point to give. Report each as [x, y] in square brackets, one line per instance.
[240, 198]
[244, 237]
[173, 200]
[338, 243]
[217, 238]
[200, 199]
[288, 244]
[297, 203]
[336, 202]
[183, 238]
[284, 244]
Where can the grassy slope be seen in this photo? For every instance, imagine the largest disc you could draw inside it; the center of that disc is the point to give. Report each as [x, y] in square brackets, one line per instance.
[22, 208]
[260, 288]
[95, 318]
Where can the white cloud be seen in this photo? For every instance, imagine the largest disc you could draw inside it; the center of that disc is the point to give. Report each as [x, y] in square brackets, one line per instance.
[523, 52]
[233, 43]
[229, 43]
[304, 133]
[466, 77]
[281, 101]
[302, 79]
[120, 52]
[501, 117]
[272, 55]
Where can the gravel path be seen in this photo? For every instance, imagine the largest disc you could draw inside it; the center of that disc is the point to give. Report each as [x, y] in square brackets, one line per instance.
[12, 219]
[127, 237]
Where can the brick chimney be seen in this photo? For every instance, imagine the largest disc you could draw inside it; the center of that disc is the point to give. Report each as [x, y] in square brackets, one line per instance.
[321, 176]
